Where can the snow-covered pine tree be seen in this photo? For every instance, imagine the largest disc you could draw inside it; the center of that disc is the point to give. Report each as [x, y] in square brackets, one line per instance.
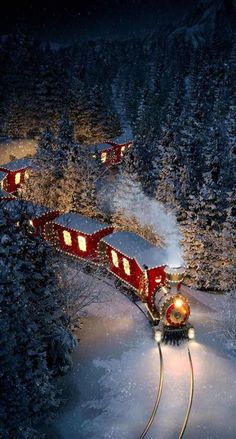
[31, 316]
[78, 188]
[227, 257]
[40, 187]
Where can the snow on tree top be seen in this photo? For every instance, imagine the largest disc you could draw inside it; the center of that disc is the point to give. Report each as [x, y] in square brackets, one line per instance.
[134, 246]
[16, 165]
[80, 223]
[34, 210]
[2, 175]
[98, 147]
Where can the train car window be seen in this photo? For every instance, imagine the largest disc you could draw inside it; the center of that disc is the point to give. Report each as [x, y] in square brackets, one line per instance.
[27, 175]
[67, 237]
[126, 266]
[104, 157]
[122, 151]
[17, 178]
[115, 259]
[82, 243]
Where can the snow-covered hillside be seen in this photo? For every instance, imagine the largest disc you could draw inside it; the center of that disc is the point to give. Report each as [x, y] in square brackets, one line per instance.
[207, 19]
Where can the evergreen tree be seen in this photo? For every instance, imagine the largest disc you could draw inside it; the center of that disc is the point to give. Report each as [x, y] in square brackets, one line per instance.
[31, 315]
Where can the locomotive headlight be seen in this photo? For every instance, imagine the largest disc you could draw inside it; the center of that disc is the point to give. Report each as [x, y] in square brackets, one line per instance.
[191, 333]
[158, 336]
[178, 303]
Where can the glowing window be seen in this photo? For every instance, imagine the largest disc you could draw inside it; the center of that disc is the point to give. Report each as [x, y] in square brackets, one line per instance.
[103, 157]
[82, 243]
[122, 151]
[67, 237]
[31, 222]
[17, 178]
[114, 258]
[126, 266]
[27, 175]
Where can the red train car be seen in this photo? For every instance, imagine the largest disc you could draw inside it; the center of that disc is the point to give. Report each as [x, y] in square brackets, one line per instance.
[109, 154]
[17, 171]
[77, 235]
[135, 261]
[38, 215]
[120, 148]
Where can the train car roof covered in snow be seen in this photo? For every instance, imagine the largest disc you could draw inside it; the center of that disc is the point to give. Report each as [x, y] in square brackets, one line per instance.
[17, 165]
[4, 194]
[99, 147]
[136, 247]
[80, 223]
[35, 210]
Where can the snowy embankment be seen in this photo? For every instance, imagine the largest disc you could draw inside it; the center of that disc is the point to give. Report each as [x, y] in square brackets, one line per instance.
[111, 390]
[17, 147]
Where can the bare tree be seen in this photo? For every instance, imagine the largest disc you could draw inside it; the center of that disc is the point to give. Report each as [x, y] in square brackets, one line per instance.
[80, 284]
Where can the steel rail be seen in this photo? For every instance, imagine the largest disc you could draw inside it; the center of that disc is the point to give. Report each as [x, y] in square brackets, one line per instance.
[159, 393]
[190, 401]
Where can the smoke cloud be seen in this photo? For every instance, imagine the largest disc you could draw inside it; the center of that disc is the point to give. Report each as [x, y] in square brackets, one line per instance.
[134, 203]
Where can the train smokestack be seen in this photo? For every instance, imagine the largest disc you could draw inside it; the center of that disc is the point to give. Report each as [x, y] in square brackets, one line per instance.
[174, 274]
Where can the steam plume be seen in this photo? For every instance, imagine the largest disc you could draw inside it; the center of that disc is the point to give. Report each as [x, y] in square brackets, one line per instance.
[134, 203]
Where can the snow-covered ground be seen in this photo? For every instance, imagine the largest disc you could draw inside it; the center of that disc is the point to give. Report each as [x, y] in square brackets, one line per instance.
[19, 148]
[111, 390]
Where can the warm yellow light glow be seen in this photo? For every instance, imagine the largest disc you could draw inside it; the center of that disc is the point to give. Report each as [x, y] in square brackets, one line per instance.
[103, 157]
[158, 336]
[17, 178]
[126, 266]
[31, 222]
[191, 333]
[82, 243]
[122, 151]
[67, 237]
[27, 175]
[178, 303]
[114, 258]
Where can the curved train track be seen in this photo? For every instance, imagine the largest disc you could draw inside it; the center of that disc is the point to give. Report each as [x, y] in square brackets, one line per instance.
[159, 393]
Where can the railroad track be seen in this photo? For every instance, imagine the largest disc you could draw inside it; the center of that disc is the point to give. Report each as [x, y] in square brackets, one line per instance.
[159, 393]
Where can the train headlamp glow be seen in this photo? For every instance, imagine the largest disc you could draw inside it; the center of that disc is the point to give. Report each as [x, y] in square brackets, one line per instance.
[191, 333]
[178, 303]
[158, 336]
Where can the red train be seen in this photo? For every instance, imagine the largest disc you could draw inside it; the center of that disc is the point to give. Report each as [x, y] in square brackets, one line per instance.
[142, 266]
[109, 152]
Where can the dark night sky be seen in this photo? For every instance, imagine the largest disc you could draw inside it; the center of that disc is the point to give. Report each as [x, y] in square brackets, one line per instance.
[82, 18]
